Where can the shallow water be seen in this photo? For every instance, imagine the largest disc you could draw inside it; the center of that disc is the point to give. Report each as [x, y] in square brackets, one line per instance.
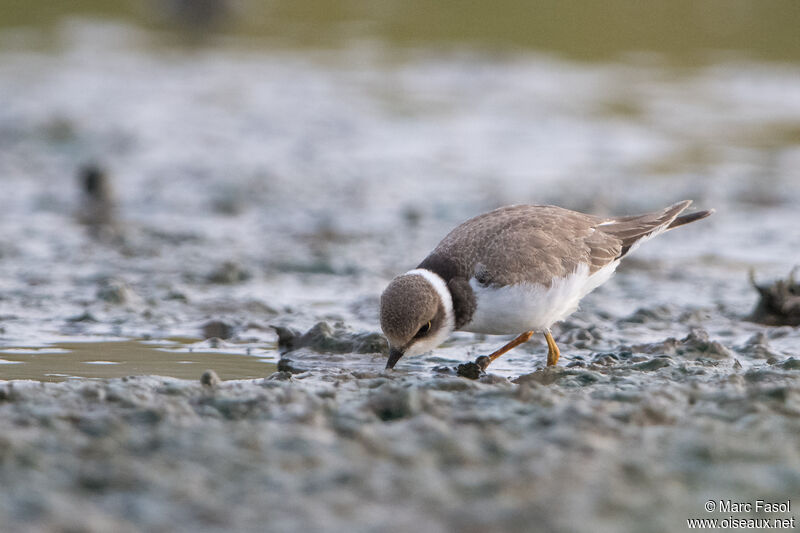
[60, 361]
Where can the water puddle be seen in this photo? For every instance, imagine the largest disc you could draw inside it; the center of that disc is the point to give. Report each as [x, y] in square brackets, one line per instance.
[113, 359]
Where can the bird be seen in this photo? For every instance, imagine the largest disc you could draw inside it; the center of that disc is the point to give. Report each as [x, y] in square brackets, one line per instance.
[518, 269]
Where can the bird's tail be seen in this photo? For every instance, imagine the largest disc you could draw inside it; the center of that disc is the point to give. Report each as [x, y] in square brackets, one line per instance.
[691, 217]
[633, 230]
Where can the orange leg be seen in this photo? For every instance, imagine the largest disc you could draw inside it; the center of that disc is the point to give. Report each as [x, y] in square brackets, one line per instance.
[486, 359]
[553, 353]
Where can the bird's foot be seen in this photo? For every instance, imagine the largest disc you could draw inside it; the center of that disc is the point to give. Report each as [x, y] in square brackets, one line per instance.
[553, 353]
[474, 370]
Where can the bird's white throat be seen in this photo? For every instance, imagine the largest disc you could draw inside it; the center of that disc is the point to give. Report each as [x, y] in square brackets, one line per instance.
[427, 344]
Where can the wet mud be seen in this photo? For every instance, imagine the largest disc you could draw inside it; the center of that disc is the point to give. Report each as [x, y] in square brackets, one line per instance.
[208, 307]
[559, 448]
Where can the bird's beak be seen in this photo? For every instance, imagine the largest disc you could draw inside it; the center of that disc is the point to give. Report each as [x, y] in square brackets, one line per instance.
[394, 356]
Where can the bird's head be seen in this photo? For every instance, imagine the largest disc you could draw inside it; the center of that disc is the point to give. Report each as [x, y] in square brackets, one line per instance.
[416, 314]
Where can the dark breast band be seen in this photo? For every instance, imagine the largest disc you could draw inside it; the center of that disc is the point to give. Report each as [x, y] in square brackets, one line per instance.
[464, 302]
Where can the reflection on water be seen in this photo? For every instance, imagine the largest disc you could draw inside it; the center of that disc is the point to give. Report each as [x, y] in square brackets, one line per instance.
[126, 358]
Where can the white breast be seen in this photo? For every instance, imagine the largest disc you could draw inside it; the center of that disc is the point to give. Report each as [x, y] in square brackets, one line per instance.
[529, 306]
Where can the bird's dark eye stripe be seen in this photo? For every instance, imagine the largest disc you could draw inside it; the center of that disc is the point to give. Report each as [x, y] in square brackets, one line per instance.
[424, 329]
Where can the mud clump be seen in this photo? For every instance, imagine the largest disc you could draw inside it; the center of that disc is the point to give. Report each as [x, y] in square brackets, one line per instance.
[653, 364]
[699, 343]
[779, 303]
[290, 366]
[217, 329]
[791, 364]
[646, 315]
[324, 338]
[86, 316]
[757, 347]
[210, 379]
[229, 273]
[473, 370]
[469, 370]
[695, 345]
[567, 377]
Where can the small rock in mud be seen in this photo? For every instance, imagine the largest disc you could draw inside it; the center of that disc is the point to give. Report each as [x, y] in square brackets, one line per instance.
[217, 329]
[779, 304]
[474, 370]
[210, 379]
[228, 273]
[287, 365]
[324, 338]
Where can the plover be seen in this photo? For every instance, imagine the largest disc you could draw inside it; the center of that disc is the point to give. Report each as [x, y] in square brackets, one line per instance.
[514, 270]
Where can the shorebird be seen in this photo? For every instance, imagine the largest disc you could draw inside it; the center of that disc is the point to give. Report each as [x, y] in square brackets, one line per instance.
[514, 270]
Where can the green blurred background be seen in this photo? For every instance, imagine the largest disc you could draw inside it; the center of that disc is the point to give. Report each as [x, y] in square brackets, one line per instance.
[681, 31]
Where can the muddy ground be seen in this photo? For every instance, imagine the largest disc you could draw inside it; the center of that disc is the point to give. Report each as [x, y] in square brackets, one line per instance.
[253, 192]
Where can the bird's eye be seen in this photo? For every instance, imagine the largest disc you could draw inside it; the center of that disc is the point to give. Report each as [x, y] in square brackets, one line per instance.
[424, 329]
